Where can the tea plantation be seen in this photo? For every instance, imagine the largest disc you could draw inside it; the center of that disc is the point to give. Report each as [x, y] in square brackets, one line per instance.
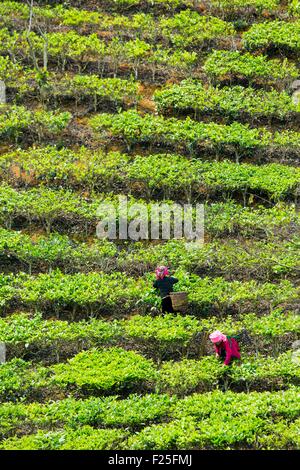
[159, 101]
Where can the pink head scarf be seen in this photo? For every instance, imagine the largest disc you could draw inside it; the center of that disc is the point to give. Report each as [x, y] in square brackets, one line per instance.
[217, 336]
[161, 272]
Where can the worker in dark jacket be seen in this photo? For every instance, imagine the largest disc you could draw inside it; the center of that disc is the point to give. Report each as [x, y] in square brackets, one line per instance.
[164, 283]
[226, 348]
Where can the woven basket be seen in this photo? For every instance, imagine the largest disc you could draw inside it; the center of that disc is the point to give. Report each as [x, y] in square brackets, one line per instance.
[179, 301]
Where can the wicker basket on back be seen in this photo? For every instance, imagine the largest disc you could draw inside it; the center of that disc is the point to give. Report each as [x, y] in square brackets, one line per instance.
[179, 301]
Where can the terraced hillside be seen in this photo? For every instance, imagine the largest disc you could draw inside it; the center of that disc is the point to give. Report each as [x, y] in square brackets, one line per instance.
[163, 100]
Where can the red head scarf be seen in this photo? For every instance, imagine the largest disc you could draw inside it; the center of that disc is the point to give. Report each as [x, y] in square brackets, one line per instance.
[217, 336]
[161, 272]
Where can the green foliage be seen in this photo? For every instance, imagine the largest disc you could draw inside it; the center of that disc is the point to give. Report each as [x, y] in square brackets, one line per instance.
[54, 251]
[206, 291]
[105, 370]
[15, 8]
[188, 25]
[7, 289]
[173, 173]
[273, 372]
[244, 7]
[188, 28]
[281, 436]
[97, 90]
[16, 121]
[97, 292]
[215, 419]
[9, 71]
[22, 331]
[294, 7]
[215, 432]
[222, 65]
[262, 404]
[45, 206]
[18, 379]
[64, 48]
[156, 337]
[236, 101]
[168, 329]
[168, 172]
[85, 438]
[132, 412]
[53, 166]
[275, 324]
[255, 259]
[189, 375]
[190, 134]
[280, 34]
[273, 178]
[137, 410]
[102, 293]
[72, 57]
